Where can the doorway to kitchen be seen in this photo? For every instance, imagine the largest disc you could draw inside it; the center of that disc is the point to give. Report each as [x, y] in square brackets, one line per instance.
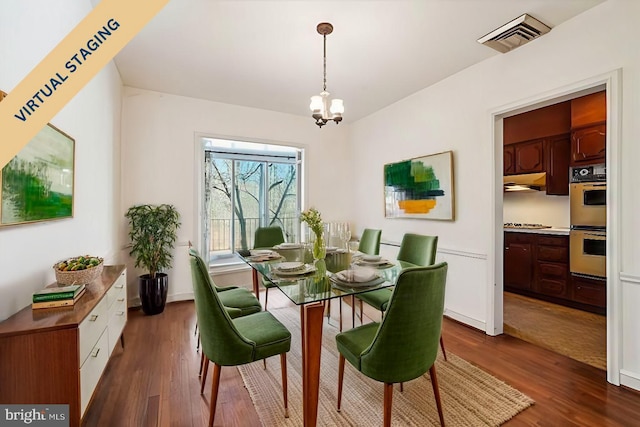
[536, 296]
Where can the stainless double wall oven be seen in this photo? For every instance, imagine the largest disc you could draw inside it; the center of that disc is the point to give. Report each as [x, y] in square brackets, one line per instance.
[588, 235]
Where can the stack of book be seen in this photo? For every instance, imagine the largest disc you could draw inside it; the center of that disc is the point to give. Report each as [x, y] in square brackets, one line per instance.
[58, 296]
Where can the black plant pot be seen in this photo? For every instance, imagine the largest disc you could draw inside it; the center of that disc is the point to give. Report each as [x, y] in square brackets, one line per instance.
[153, 292]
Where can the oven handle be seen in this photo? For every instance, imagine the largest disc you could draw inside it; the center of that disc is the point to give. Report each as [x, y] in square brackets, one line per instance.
[602, 236]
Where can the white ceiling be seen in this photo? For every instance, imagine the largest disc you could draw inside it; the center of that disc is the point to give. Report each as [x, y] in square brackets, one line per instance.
[267, 53]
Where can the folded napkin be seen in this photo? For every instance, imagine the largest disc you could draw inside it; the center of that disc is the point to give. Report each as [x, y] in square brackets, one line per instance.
[357, 275]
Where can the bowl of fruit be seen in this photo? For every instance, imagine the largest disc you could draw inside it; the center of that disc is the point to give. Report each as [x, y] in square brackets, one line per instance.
[78, 270]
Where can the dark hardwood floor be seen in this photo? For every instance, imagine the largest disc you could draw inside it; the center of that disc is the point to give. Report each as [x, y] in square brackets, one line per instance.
[154, 381]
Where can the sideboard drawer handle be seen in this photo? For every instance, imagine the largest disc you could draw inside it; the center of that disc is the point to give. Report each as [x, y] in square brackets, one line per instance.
[119, 286]
[120, 313]
[95, 352]
[93, 318]
[120, 299]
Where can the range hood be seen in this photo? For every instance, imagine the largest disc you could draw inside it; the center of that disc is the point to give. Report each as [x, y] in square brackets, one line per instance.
[525, 182]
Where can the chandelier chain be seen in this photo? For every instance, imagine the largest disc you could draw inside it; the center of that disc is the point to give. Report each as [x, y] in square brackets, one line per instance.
[324, 72]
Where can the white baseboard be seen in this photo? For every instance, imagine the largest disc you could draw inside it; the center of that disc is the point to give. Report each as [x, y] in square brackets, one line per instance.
[466, 320]
[630, 379]
[185, 296]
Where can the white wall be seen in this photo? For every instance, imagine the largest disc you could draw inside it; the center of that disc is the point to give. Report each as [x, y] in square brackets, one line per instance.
[536, 208]
[158, 161]
[92, 118]
[455, 114]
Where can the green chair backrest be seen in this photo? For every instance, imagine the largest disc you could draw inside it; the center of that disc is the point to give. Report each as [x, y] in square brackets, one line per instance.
[418, 249]
[194, 253]
[406, 344]
[221, 341]
[370, 241]
[268, 237]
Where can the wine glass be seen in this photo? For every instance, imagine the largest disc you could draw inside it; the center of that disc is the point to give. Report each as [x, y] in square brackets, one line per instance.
[345, 234]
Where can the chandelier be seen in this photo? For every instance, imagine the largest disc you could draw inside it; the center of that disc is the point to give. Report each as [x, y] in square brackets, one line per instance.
[324, 109]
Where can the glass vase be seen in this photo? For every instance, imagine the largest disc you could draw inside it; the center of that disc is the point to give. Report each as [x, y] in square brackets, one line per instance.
[319, 247]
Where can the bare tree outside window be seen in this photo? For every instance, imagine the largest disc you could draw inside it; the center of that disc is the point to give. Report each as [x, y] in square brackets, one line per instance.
[240, 185]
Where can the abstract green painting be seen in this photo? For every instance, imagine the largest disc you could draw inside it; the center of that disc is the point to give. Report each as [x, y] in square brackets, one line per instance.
[37, 184]
[421, 187]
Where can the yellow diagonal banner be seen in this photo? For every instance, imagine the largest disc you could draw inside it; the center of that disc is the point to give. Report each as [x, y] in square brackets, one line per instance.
[67, 68]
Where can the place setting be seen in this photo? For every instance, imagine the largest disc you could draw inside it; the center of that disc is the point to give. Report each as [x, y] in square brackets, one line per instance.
[261, 255]
[288, 246]
[374, 261]
[357, 278]
[292, 269]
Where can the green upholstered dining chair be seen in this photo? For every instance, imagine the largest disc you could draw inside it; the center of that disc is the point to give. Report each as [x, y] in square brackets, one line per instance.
[233, 342]
[370, 241]
[405, 345]
[267, 237]
[237, 301]
[415, 250]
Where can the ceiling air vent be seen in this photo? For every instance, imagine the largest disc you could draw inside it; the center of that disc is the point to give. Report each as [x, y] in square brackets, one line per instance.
[521, 30]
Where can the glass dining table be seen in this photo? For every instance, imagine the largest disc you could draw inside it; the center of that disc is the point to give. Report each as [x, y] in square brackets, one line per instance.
[311, 289]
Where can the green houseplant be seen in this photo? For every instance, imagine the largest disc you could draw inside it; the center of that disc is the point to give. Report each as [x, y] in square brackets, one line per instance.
[153, 233]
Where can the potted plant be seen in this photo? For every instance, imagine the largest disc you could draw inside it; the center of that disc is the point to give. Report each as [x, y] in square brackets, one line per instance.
[153, 233]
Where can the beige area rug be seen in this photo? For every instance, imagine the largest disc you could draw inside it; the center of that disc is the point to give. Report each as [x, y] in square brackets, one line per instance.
[470, 396]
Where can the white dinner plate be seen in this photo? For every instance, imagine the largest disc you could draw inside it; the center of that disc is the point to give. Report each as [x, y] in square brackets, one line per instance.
[307, 269]
[289, 246]
[290, 266]
[342, 284]
[259, 252]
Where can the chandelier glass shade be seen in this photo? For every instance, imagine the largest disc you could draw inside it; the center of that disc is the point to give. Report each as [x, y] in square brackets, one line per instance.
[322, 107]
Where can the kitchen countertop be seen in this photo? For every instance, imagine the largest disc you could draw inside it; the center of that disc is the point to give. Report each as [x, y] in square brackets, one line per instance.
[553, 230]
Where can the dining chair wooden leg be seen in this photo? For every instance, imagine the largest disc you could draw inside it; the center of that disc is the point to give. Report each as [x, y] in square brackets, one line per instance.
[215, 384]
[266, 298]
[340, 378]
[264, 363]
[444, 353]
[388, 400]
[198, 343]
[436, 392]
[201, 365]
[283, 366]
[401, 387]
[361, 311]
[353, 311]
[340, 312]
[204, 375]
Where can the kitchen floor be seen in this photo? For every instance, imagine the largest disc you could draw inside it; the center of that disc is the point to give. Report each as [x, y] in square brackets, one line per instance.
[574, 333]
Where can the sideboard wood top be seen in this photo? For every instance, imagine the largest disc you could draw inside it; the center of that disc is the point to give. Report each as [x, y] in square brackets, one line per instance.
[28, 320]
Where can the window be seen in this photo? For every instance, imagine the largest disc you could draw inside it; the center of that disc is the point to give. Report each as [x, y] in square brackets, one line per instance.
[248, 185]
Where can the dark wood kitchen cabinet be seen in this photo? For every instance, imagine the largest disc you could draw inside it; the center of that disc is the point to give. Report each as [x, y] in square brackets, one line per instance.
[589, 145]
[590, 291]
[552, 265]
[508, 160]
[537, 265]
[589, 129]
[518, 261]
[529, 157]
[550, 155]
[558, 153]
